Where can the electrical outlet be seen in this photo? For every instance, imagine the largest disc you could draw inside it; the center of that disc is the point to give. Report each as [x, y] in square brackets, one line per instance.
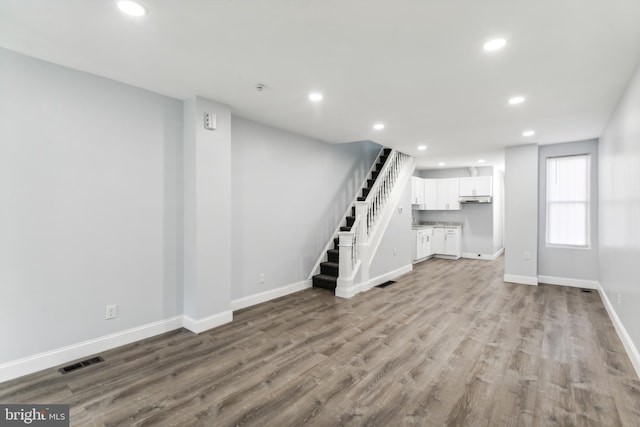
[619, 299]
[526, 255]
[261, 278]
[112, 312]
[395, 251]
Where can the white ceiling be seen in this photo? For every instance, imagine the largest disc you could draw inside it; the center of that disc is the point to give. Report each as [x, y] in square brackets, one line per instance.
[416, 65]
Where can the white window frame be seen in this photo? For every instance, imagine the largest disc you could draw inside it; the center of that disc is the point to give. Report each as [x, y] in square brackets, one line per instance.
[587, 203]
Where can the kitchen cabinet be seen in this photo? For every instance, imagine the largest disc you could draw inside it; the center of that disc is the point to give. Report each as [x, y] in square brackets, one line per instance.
[448, 194]
[437, 242]
[417, 191]
[430, 194]
[447, 242]
[475, 186]
[452, 242]
[422, 247]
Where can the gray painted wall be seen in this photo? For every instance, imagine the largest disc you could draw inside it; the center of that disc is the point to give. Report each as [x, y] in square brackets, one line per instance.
[396, 247]
[288, 194]
[477, 230]
[89, 206]
[619, 209]
[207, 209]
[568, 262]
[498, 209]
[521, 210]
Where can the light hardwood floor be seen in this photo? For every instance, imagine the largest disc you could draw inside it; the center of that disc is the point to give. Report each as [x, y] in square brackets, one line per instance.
[449, 344]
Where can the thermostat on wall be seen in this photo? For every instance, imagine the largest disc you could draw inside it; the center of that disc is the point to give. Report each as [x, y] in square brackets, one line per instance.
[210, 121]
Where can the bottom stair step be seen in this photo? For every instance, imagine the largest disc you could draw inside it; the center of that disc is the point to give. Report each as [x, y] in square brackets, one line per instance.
[325, 282]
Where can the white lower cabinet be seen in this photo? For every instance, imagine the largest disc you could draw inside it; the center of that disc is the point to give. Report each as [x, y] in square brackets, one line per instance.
[422, 247]
[447, 242]
[437, 244]
[452, 242]
[443, 242]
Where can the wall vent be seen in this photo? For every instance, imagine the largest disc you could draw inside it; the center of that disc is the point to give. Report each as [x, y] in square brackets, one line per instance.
[79, 365]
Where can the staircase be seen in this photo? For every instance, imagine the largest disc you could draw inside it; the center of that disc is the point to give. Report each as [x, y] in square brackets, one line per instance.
[329, 270]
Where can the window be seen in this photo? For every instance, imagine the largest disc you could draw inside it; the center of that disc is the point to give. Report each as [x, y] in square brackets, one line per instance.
[568, 201]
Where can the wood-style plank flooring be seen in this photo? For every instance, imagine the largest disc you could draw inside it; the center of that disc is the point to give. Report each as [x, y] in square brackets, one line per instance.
[449, 344]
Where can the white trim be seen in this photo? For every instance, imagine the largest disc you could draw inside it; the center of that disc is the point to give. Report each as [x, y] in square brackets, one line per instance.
[269, 295]
[471, 255]
[206, 323]
[522, 280]
[365, 286]
[565, 281]
[389, 276]
[418, 261]
[629, 346]
[62, 355]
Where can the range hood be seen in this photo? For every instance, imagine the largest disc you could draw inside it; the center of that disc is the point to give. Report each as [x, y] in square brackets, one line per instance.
[475, 199]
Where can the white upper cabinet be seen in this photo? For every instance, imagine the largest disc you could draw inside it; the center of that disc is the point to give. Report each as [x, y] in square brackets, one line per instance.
[430, 194]
[475, 186]
[417, 191]
[448, 194]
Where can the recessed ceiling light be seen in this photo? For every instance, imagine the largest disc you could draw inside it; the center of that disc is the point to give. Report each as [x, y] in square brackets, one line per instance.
[528, 133]
[422, 147]
[480, 160]
[494, 44]
[516, 100]
[378, 126]
[315, 96]
[132, 8]
[441, 164]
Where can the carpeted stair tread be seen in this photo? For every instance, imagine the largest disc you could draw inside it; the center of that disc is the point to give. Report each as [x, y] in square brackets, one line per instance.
[329, 268]
[325, 282]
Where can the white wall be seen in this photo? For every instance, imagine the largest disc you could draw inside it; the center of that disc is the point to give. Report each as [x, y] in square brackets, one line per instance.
[89, 206]
[568, 262]
[498, 209]
[477, 219]
[521, 213]
[619, 209]
[396, 247]
[289, 193]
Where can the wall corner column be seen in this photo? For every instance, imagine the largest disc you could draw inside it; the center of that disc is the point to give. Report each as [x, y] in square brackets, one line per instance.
[207, 215]
[521, 214]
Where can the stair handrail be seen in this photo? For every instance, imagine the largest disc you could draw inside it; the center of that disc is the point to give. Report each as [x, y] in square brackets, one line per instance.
[367, 212]
[382, 188]
[346, 213]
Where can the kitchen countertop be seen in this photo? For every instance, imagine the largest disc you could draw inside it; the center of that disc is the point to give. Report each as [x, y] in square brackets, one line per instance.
[436, 224]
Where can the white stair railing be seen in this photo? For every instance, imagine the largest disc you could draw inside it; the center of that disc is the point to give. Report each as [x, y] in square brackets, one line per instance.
[336, 233]
[353, 244]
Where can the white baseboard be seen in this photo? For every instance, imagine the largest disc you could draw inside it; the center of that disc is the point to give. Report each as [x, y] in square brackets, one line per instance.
[59, 356]
[493, 257]
[522, 280]
[565, 281]
[269, 295]
[206, 323]
[389, 276]
[365, 286]
[629, 346]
